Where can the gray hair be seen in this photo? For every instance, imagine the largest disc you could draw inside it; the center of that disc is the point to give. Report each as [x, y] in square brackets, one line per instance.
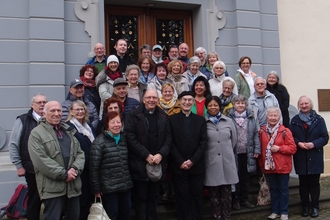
[231, 82]
[200, 49]
[273, 72]
[240, 98]
[219, 62]
[34, 97]
[194, 59]
[259, 77]
[274, 109]
[309, 99]
[145, 46]
[132, 67]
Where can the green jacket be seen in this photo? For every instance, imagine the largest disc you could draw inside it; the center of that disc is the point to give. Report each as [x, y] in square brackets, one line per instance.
[242, 85]
[46, 156]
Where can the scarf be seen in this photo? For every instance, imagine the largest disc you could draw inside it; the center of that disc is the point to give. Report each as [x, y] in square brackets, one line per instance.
[116, 137]
[113, 75]
[167, 105]
[307, 118]
[161, 81]
[269, 161]
[176, 78]
[88, 83]
[220, 78]
[215, 119]
[83, 128]
[240, 118]
[224, 101]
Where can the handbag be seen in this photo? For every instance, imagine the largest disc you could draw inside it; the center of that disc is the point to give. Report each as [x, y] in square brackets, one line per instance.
[264, 193]
[97, 212]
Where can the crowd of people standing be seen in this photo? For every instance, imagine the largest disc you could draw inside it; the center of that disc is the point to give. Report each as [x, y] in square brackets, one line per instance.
[181, 116]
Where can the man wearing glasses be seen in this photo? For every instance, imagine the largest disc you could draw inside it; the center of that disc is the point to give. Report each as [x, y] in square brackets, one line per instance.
[19, 154]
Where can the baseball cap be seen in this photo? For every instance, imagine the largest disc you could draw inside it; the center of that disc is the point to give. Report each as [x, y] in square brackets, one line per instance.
[157, 47]
[119, 81]
[75, 82]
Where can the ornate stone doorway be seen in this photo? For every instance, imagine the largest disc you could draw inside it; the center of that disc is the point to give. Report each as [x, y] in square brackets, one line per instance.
[147, 26]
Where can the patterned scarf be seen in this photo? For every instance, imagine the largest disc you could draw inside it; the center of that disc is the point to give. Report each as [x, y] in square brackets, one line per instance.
[215, 119]
[167, 105]
[224, 101]
[83, 128]
[240, 118]
[88, 83]
[307, 118]
[269, 161]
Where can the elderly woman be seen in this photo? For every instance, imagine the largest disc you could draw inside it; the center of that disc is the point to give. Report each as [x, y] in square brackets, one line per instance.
[179, 81]
[277, 148]
[247, 148]
[244, 77]
[156, 83]
[201, 89]
[219, 69]
[105, 79]
[168, 102]
[227, 95]
[220, 163]
[109, 173]
[310, 135]
[146, 65]
[77, 119]
[87, 76]
[135, 90]
[193, 71]
[281, 94]
[211, 58]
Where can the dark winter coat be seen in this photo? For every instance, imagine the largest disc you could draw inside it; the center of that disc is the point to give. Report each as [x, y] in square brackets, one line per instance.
[136, 130]
[309, 161]
[108, 165]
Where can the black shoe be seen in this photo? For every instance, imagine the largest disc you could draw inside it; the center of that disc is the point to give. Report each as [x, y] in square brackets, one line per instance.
[315, 212]
[236, 205]
[305, 212]
[247, 204]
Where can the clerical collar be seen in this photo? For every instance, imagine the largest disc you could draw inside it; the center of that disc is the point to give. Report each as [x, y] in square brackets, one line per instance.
[187, 115]
[149, 112]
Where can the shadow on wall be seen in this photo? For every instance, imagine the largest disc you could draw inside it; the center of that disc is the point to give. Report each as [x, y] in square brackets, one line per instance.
[3, 137]
[292, 111]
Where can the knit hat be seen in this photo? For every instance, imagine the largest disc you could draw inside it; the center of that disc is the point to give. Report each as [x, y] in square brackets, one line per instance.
[112, 58]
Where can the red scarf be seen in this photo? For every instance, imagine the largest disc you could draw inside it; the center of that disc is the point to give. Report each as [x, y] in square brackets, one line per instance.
[113, 75]
[89, 83]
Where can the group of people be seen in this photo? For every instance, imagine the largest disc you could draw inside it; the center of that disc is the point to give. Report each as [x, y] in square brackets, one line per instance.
[179, 115]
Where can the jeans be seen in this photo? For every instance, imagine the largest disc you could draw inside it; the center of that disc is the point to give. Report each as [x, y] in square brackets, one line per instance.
[117, 205]
[279, 192]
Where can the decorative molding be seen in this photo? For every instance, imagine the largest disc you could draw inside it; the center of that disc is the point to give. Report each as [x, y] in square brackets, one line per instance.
[88, 12]
[216, 20]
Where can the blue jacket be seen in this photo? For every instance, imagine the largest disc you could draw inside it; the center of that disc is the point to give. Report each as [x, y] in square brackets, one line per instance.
[309, 161]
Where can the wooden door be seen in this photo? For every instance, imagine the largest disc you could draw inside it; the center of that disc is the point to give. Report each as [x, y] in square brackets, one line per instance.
[140, 26]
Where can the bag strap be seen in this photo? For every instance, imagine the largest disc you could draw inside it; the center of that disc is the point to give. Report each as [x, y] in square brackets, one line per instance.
[95, 199]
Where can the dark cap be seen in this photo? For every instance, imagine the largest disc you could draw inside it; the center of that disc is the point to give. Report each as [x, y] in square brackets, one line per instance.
[184, 93]
[119, 81]
[75, 82]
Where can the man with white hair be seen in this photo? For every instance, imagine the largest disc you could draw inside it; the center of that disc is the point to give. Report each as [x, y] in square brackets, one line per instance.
[200, 52]
[58, 161]
[100, 59]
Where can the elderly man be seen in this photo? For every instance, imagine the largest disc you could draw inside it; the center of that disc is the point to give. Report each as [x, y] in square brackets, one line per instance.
[76, 92]
[100, 59]
[200, 52]
[173, 54]
[148, 140]
[120, 92]
[189, 138]
[121, 54]
[260, 100]
[58, 161]
[157, 53]
[183, 52]
[19, 155]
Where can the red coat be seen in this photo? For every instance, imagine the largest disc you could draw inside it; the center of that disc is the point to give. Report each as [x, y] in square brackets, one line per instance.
[282, 158]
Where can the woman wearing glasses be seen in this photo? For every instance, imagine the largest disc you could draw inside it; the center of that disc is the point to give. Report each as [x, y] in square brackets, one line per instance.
[244, 77]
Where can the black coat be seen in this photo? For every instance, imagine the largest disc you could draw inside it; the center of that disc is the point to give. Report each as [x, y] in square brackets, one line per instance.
[108, 165]
[183, 147]
[309, 161]
[283, 98]
[136, 130]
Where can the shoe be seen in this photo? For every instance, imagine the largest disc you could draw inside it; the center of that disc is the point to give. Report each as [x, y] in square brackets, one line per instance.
[165, 196]
[273, 216]
[305, 212]
[236, 205]
[247, 204]
[284, 217]
[314, 213]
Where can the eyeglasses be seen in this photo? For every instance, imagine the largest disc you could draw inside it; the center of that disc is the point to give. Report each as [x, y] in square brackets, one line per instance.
[41, 102]
[245, 63]
[260, 84]
[151, 97]
[187, 99]
[79, 109]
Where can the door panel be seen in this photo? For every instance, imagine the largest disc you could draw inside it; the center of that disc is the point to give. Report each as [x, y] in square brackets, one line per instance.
[147, 26]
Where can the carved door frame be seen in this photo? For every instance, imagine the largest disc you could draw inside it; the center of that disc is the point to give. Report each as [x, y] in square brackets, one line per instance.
[147, 23]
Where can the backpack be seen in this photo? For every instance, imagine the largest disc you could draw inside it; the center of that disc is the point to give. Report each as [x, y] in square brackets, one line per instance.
[17, 205]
